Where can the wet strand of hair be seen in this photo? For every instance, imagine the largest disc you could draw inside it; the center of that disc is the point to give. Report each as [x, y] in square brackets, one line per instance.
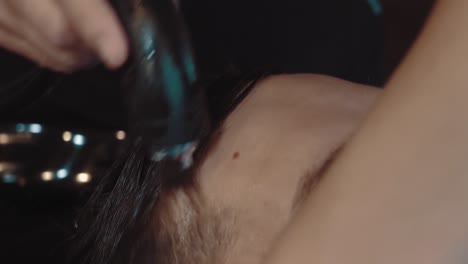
[116, 218]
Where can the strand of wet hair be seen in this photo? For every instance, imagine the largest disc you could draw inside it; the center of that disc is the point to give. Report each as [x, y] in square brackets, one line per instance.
[118, 212]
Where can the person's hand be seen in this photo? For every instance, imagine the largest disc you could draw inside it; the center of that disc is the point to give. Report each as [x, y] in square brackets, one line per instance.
[63, 35]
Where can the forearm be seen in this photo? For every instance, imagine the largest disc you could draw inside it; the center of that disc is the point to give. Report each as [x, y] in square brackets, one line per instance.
[398, 192]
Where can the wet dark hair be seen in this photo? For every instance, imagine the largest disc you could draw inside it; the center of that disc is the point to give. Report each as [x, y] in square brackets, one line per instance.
[125, 219]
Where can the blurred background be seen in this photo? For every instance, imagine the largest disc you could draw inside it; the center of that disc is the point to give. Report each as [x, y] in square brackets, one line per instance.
[58, 133]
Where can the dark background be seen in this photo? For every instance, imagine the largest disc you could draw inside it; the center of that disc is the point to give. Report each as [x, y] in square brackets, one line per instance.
[342, 38]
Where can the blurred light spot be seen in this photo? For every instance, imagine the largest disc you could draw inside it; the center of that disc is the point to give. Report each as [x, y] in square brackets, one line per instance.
[35, 128]
[4, 139]
[376, 7]
[20, 127]
[22, 182]
[120, 135]
[62, 173]
[18, 138]
[67, 136]
[83, 177]
[79, 140]
[6, 166]
[9, 178]
[47, 176]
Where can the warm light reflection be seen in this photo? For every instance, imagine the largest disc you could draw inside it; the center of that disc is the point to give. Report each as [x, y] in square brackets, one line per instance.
[22, 138]
[62, 173]
[6, 166]
[47, 176]
[4, 139]
[83, 177]
[67, 136]
[121, 135]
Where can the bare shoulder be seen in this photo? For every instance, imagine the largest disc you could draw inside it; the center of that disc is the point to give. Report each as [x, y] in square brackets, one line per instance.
[319, 81]
[303, 95]
[315, 112]
[288, 126]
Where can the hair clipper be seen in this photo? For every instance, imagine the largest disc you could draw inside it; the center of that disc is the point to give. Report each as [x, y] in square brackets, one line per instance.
[164, 108]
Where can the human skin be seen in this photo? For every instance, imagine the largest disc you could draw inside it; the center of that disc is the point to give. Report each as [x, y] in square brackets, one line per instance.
[279, 136]
[63, 35]
[398, 191]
